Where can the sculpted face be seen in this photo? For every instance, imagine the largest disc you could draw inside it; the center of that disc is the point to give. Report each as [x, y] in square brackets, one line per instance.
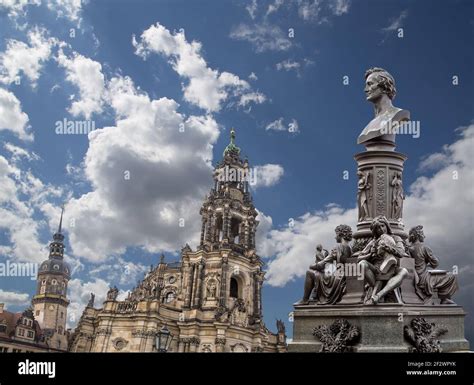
[372, 89]
[380, 229]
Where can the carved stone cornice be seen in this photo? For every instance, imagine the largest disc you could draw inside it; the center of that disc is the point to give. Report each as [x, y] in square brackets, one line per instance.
[220, 341]
[144, 333]
[103, 332]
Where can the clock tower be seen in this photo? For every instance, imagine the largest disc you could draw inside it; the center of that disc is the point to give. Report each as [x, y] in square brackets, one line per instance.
[50, 302]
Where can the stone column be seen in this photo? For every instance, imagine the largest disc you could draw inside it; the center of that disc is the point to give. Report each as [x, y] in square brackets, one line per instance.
[223, 288]
[203, 229]
[246, 234]
[220, 345]
[194, 283]
[383, 170]
[188, 271]
[225, 226]
[210, 221]
[194, 344]
[197, 297]
[258, 295]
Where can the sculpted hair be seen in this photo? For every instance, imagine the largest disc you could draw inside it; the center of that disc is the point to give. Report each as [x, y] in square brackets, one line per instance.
[386, 81]
[377, 221]
[416, 233]
[344, 231]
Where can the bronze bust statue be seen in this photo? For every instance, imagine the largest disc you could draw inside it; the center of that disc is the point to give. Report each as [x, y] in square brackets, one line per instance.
[380, 90]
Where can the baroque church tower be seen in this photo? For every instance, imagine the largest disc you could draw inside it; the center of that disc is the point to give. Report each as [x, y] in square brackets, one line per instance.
[50, 301]
[228, 239]
[210, 300]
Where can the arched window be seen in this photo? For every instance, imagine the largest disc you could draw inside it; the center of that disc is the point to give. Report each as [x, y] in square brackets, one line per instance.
[234, 288]
[234, 230]
[169, 297]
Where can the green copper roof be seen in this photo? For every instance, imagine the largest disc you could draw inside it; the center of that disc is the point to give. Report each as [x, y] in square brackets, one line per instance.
[231, 146]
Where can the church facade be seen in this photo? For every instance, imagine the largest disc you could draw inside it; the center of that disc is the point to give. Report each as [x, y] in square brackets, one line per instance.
[211, 300]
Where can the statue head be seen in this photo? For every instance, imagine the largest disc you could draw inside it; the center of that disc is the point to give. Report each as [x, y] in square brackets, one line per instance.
[319, 247]
[416, 234]
[379, 82]
[343, 232]
[380, 226]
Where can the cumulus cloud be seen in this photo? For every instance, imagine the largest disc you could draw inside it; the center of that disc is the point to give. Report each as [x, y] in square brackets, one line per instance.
[263, 37]
[79, 293]
[448, 228]
[86, 74]
[12, 118]
[268, 175]
[12, 298]
[21, 195]
[149, 171]
[70, 9]
[206, 88]
[27, 59]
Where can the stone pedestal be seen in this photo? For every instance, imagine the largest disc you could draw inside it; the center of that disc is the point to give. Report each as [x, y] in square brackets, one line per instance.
[381, 327]
[380, 166]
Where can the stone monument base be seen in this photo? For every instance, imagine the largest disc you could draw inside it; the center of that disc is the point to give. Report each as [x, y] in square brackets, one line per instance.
[381, 326]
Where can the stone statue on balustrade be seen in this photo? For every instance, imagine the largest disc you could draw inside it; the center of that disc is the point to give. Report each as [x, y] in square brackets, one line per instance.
[380, 262]
[430, 281]
[322, 279]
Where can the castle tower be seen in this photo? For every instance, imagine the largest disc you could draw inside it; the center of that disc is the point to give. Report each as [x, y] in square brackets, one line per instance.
[50, 301]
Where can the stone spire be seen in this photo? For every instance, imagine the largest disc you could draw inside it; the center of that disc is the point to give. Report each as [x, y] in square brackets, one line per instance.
[228, 214]
[56, 247]
[50, 301]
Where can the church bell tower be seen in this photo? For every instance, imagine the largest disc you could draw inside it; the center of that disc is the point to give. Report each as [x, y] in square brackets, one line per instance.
[50, 301]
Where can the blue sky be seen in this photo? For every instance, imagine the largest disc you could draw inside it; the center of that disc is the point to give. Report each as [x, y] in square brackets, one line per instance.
[111, 72]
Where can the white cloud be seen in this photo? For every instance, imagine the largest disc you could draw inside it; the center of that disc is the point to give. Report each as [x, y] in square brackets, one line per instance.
[293, 246]
[252, 8]
[288, 65]
[253, 76]
[141, 171]
[86, 74]
[17, 8]
[18, 153]
[206, 88]
[70, 9]
[274, 7]
[21, 196]
[448, 229]
[12, 298]
[340, 7]
[12, 117]
[79, 293]
[268, 175]
[120, 271]
[263, 37]
[310, 10]
[396, 23]
[278, 125]
[251, 97]
[28, 59]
